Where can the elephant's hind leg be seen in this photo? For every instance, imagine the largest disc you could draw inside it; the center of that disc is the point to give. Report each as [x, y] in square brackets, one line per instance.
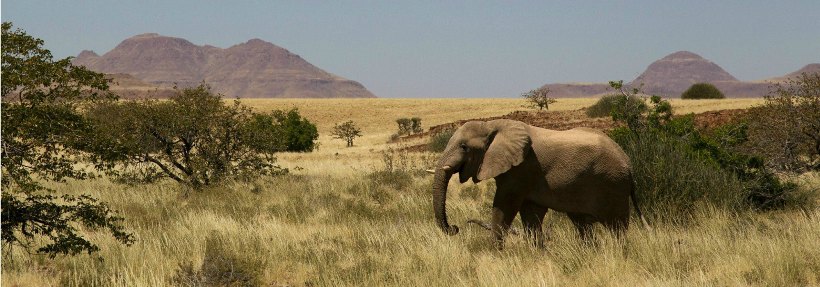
[532, 216]
[583, 223]
[617, 224]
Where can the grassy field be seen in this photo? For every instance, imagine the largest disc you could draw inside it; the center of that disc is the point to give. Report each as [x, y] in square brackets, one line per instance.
[336, 220]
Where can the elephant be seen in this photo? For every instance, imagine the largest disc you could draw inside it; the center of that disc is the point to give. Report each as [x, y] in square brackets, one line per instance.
[581, 172]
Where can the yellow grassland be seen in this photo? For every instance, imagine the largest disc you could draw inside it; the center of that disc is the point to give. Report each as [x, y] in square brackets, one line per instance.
[333, 222]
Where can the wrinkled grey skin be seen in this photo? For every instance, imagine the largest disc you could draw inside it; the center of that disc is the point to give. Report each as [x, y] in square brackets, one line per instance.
[581, 172]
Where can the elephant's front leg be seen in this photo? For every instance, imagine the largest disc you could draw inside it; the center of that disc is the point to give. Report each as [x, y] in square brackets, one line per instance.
[505, 207]
[532, 216]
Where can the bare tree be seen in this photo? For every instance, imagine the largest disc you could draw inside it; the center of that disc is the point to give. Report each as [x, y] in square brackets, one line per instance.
[538, 98]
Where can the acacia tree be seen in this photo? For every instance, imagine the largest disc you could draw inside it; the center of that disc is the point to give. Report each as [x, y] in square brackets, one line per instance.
[346, 131]
[193, 138]
[538, 98]
[42, 134]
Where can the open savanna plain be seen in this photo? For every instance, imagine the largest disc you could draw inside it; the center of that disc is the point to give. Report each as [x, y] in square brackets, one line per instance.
[362, 216]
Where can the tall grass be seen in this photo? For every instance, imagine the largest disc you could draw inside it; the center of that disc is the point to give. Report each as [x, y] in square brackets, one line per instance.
[350, 230]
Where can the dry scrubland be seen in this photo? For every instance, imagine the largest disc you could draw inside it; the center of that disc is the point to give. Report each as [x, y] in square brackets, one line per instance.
[336, 221]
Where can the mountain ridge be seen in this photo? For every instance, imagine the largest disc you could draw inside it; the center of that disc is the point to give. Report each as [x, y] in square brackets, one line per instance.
[253, 69]
[672, 74]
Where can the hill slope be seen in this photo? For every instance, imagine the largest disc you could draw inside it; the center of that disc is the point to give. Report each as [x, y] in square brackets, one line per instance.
[254, 69]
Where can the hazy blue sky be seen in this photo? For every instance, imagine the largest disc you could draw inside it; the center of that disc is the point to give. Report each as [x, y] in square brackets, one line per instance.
[456, 48]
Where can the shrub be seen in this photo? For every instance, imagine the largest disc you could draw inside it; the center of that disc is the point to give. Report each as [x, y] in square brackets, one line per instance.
[193, 138]
[405, 126]
[415, 125]
[670, 180]
[786, 128]
[606, 104]
[675, 165]
[538, 98]
[409, 126]
[438, 141]
[702, 91]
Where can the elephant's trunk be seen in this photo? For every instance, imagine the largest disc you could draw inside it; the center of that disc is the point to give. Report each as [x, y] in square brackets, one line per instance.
[440, 181]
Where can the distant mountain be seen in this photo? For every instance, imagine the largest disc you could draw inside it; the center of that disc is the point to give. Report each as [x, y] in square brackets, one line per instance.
[809, 69]
[673, 74]
[254, 69]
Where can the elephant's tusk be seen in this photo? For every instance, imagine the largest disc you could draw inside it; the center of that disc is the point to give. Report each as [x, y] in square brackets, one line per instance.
[446, 168]
[431, 171]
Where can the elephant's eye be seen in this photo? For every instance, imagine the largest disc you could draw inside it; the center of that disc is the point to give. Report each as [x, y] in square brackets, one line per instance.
[464, 147]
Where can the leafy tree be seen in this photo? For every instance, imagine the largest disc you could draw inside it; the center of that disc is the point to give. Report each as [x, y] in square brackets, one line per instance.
[346, 131]
[42, 131]
[786, 129]
[702, 91]
[300, 134]
[193, 138]
[538, 98]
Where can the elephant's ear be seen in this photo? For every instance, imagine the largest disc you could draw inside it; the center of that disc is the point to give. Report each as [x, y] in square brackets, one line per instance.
[508, 142]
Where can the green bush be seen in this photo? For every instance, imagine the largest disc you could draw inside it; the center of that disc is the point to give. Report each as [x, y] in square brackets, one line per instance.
[300, 134]
[670, 179]
[676, 166]
[607, 104]
[702, 91]
[193, 138]
[438, 141]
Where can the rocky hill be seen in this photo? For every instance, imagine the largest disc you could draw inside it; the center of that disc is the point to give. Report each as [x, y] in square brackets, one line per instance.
[254, 69]
[673, 74]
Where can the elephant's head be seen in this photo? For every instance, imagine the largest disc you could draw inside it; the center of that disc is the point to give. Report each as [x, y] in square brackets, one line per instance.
[478, 150]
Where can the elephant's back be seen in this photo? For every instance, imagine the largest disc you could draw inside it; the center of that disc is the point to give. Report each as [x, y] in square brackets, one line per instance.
[583, 151]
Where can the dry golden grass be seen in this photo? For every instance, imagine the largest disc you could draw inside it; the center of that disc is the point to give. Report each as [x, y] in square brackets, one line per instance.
[377, 119]
[337, 223]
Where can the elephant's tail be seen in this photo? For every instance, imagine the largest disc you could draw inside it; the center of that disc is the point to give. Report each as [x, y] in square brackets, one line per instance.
[638, 208]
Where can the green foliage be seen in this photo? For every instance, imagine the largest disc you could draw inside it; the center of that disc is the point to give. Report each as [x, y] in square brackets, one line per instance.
[346, 131]
[41, 130]
[438, 141]
[299, 134]
[538, 98]
[702, 91]
[605, 106]
[675, 165]
[786, 128]
[193, 138]
[409, 126]
[671, 180]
